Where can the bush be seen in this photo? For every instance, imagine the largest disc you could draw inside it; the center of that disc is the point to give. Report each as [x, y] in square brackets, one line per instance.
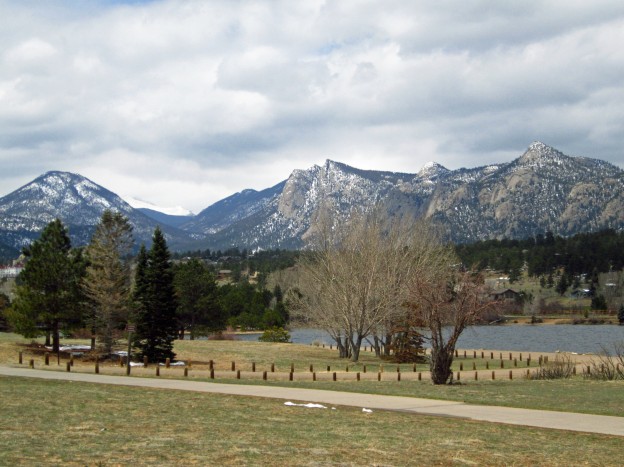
[562, 367]
[608, 366]
[275, 334]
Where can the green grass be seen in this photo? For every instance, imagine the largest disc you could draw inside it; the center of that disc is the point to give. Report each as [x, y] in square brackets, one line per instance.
[571, 395]
[54, 423]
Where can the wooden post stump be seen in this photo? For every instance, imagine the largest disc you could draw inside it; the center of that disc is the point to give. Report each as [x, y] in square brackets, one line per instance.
[364, 368]
[272, 367]
[328, 368]
[502, 364]
[515, 362]
[510, 374]
[358, 376]
[461, 367]
[253, 367]
[399, 376]
[31, 364]
[379, 376]
[19, 359]
[313, 376]
[419, 376]
[185, 371]
[97, 366]
[264, 375]
[233, 366]
[157, 370]
[311, 368]
[493, 375]
[47, 359]
[476, 376]
[237, 374]
[145, 361]
[68, 367]
[290, 376]
[334, 376]
[167, 363]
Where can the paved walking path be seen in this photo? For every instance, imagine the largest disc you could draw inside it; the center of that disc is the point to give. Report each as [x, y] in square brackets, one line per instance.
[538, 418]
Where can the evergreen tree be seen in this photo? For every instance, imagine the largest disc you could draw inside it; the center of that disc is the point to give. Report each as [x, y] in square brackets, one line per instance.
[562, 284]
[107, 282]
[49, 296]
[156, 323]
[199, 309]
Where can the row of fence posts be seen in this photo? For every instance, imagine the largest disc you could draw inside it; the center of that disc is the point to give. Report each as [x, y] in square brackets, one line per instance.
[70, 364]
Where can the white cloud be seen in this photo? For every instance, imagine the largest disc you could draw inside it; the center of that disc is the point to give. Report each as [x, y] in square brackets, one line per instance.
[186, 102]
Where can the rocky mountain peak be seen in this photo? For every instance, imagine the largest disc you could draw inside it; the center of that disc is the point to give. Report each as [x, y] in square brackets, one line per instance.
[540, 153]
[432, 170]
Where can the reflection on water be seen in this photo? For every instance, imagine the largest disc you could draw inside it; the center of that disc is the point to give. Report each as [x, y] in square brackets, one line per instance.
[544, 338]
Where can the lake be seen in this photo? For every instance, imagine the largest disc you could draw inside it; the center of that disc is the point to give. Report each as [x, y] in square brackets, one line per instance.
[522, 337]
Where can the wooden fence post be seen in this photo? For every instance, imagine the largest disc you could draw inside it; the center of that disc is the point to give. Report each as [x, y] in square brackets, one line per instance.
[68, 367]
[264, 375]
[237, 374]
[185, 371]
[493, 375]
[145, 361]
[97, 366]
[47, 358]
[476, 376]
[314, 376]
[358, 376]
[158, 370]
[253, 367]
[328, 368]
[399, 376]
[311, 368]
[419, 376]
[364, 368]
[379, 376]
[334, 376]
[233, 366]
[461, 366]
[31, 364]
[212, 373]
[20, 358]
[290, 376]
[167, 363]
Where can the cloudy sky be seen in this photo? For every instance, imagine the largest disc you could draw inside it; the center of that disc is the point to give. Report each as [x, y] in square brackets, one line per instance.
[186, 102]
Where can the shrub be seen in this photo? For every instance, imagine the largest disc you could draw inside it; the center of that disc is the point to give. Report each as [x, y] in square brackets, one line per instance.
[275, 334]
[608, 366]
[562, 367]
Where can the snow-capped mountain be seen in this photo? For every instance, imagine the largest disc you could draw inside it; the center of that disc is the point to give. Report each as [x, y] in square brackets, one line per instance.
[541, 190]
[74, 199]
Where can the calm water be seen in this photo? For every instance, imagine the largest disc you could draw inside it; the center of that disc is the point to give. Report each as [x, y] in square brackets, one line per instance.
[548, 338]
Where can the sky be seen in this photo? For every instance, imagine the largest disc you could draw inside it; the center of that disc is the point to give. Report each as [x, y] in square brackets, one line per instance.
[183, 102]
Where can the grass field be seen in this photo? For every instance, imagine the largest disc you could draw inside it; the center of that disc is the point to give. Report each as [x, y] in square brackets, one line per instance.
[575, 395]
[62, 423]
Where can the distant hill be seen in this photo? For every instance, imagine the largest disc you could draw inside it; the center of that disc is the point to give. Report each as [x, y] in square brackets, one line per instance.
[78, 202]
[166, 219]
[542, 190]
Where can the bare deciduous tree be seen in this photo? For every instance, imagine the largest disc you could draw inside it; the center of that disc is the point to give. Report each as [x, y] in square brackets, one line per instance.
[445, 300]
[354, 280]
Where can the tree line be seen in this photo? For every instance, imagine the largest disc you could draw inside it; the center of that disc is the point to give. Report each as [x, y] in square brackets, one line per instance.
[581, 254]
[102, 288]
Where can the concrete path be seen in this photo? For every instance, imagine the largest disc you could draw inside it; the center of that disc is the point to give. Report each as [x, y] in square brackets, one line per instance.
[537, 418]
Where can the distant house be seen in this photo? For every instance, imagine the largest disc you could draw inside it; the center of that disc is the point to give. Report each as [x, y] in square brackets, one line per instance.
[507, 294]
[224, 274]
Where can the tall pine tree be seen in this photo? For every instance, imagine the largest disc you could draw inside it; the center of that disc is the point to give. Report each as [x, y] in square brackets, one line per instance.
[49, 297]
[154, 295]
[107, 282]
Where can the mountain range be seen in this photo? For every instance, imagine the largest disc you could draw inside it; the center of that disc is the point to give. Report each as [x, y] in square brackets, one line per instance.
[542, 190]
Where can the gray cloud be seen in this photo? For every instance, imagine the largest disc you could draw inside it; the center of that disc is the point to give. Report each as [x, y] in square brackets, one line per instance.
[186, 102]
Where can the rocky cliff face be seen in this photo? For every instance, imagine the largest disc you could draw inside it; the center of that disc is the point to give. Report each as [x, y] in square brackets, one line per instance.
[541, 190]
